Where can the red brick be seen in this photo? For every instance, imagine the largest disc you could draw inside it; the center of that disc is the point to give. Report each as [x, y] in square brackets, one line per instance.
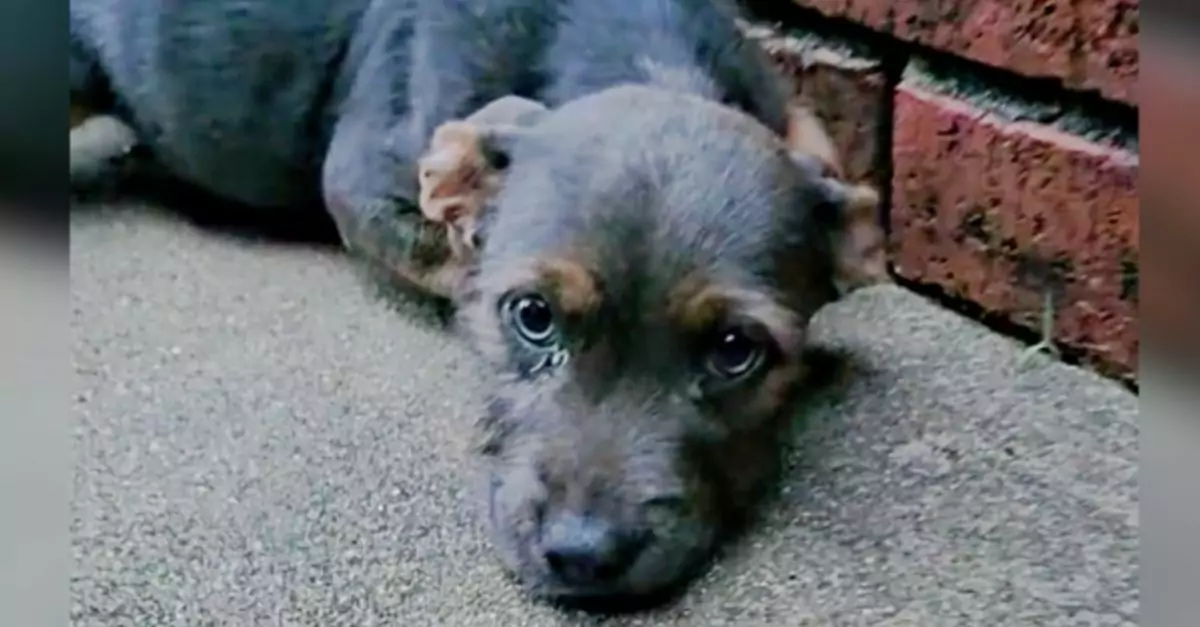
[980, 203]
[1088, 44]
[848, 91]
[1109, 45]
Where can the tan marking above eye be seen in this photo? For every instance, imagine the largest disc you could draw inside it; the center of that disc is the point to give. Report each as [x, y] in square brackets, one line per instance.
[694, 304]
[573, 286]
[697, 305]
[566, 283]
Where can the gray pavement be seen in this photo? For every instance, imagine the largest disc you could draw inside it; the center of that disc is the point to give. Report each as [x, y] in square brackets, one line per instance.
[259, 442]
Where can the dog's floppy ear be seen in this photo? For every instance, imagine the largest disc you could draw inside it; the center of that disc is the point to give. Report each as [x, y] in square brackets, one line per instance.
[848, 214]
[510, 111]
[465, 162]
[807, 137]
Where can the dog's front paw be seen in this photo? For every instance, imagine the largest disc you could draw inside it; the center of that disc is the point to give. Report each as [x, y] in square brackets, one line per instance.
[102, 150]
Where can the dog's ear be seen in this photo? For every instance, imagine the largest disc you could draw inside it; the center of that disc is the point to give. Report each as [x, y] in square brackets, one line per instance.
[509, 111]
[847, 213]
[849, 216]
[808, 138]
[466, 159]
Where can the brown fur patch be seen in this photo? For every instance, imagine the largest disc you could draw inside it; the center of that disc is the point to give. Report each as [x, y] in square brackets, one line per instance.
[861, 253]
[567, 282]
[806, 134]
[776, 388]
[574, 286]
[697, 304]
[444, 280]
[691, 307]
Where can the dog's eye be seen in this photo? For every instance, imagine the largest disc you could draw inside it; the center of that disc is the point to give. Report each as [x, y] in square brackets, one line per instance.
[532, 318]
[735, 354]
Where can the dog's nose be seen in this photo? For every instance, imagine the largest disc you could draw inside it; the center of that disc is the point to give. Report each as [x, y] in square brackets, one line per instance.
[587, 551]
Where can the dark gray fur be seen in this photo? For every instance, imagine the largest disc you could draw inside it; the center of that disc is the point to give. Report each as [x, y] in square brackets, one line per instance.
[291, 105]
[294, 103]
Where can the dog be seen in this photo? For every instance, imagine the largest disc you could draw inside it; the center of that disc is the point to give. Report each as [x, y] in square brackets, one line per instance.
[634, 249]
[649, 264]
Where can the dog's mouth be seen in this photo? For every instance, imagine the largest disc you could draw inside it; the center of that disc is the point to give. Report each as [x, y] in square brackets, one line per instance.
[615, 597]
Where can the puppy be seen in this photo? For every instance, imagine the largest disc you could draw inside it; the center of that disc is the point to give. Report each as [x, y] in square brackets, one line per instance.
[650, 260]
[644, 255]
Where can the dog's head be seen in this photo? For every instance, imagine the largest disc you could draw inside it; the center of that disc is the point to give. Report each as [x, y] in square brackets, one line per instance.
[650, 265]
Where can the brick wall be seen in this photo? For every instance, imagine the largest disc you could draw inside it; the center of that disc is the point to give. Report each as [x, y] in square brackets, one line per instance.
[1004, 138]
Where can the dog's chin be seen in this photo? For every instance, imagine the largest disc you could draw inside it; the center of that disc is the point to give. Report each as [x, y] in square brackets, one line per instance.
[623, 598]
[619, 598]
[611, 602]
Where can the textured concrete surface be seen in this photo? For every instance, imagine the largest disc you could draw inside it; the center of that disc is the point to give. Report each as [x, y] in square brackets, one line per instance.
[257, 442]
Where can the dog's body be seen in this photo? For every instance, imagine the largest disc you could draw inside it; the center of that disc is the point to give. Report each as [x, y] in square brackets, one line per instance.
[294, 106]
[652, 247]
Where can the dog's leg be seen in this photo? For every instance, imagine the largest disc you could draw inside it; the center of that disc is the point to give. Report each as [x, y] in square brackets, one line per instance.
[100, 146]
[100, 143]
[372, 201]
[462, 55]
[468, 53]
[369, 173]
[423, 231]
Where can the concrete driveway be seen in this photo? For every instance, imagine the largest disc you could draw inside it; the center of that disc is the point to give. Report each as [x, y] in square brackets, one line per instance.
[259, 442]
